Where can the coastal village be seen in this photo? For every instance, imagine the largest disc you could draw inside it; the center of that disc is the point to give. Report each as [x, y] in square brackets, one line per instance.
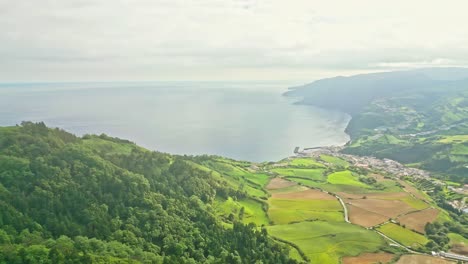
[388, 166]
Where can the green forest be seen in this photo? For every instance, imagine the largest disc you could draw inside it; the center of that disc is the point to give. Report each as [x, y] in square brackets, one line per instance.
[97, 199]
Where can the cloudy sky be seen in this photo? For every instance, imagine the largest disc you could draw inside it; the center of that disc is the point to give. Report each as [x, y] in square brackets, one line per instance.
[81, 40]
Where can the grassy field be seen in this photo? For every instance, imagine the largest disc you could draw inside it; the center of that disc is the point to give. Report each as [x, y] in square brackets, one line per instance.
[259, 178]
[306, 162]
[330, 187]
[253, 212]
[237, 176]
[415, 203]
[328, 242]
[284, 211]
[314, 174]
[403, 235]
[109, 147]
[334, 160]
[345, 178]
[456, 238]
[454, 139]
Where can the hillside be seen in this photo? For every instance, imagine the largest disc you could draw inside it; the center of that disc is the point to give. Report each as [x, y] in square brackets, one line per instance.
[415, 117]
[98, 199]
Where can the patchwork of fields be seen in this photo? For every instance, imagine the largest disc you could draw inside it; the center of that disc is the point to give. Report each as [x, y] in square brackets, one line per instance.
[297, 200]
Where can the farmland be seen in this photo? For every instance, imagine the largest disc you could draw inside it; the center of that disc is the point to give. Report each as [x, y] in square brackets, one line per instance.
[326, 242]
[369, 258]
[417, 220]
[301, 204]
[304, 162]
[345, 178]
[299, 207]
[403, 235]
[313, 174]
[334, 160]
[418, 259]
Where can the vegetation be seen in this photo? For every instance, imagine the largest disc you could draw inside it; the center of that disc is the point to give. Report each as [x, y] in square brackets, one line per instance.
[284, 211]
[97, 199]
[346, 178]
[403, 235]
[327, 242]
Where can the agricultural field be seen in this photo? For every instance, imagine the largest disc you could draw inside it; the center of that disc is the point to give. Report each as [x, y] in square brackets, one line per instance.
[419, 259]
[305, 162]
[346, 178]
[279, 183]
[369, 258]
[387, 208]
[252, 213]
[418, 220]
[303, 204]
[334, 160]
[237, 176]
[364, 218]
[403, 235]
[313, 174]
[260, 179]
[454, 139]
[327, 242]
[299, 212]
[458, 243]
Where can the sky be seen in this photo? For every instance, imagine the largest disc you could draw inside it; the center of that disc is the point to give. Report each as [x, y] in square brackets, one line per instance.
[152, 40]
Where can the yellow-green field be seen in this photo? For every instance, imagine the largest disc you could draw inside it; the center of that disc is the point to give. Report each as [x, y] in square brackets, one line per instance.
[334, 160]
[403, 235]
[327, 242]
[284, 211]
[454, 139]
[306, 162]
[345, 178]
[253, 212]
[313, 174]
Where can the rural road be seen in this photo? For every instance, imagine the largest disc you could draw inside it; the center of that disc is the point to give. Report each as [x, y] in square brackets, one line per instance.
[346, 218]
[398, 244]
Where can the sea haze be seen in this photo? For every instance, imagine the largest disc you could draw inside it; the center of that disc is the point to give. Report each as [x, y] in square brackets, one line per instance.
[243, 120]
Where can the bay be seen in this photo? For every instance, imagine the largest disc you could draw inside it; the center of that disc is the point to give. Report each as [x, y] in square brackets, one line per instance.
[242, 120]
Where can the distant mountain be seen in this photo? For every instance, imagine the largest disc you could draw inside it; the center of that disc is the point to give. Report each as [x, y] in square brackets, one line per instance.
[417, 117]
[352, 94]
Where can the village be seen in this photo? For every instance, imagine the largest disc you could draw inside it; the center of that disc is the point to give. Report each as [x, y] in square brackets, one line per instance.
[388, 166]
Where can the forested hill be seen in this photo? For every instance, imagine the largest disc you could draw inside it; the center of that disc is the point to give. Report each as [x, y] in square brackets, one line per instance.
[354, 93]
[96, 199]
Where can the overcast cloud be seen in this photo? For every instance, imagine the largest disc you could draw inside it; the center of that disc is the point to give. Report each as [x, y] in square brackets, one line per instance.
[74, 40]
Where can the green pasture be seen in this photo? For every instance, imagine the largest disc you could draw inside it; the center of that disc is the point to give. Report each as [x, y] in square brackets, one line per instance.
[314, 174]
[306, 162]
[346, 178]
[259, 178]
[457, 239]
[253, 211]
[330, 187]
[334, 160]
[284, 211]
[403, 235]
[328, 242]
[454, 139]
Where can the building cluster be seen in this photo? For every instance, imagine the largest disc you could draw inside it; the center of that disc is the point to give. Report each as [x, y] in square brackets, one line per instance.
[367, 162]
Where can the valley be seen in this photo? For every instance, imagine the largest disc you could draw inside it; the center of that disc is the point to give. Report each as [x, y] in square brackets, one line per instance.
[387, 215]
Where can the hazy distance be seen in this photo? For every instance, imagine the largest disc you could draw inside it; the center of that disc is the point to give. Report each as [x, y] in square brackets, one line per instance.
[102, 40]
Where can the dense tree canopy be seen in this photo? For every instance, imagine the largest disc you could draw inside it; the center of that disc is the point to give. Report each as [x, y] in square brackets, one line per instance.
[97, 199]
